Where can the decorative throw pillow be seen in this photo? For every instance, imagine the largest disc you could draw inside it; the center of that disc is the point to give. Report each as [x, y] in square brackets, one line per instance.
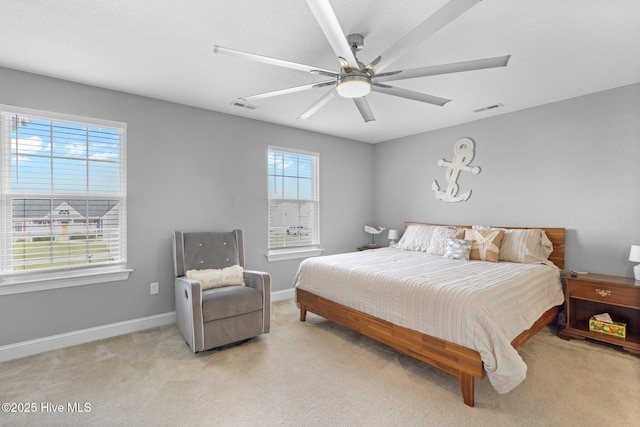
[457, 249]
[416, 237]
[486, 243]
[216, 278]
[440, 237]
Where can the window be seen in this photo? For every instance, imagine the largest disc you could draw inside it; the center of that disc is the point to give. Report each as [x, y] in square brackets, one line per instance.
[294, 203]
[62, 193]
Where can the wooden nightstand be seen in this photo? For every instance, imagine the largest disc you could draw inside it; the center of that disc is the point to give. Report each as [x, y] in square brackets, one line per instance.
[590, 294]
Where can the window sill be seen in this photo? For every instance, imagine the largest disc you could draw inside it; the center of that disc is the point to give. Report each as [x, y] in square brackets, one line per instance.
[285, 254]
[18, 284]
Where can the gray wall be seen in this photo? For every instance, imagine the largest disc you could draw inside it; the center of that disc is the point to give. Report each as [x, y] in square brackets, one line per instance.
[188, 169]
[572, 164]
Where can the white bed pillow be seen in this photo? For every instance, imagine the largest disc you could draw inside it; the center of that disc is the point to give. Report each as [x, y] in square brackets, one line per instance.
[218, 277]
[527, 246]
[416, 237]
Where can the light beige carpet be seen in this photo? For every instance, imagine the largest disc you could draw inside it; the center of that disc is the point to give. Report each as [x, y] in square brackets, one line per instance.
[310, 374]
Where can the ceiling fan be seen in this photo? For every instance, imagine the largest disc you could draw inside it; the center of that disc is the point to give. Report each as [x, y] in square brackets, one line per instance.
[354, 79]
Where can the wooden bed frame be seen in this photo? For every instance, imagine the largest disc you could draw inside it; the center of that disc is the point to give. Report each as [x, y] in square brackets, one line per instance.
[454, 359]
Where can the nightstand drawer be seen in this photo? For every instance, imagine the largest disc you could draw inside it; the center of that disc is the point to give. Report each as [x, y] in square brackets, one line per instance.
[605, 293]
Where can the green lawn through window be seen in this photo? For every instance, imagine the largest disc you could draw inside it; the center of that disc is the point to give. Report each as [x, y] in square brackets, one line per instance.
[46, 254]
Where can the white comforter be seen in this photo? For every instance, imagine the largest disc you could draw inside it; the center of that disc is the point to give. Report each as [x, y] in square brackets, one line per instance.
[479, 305]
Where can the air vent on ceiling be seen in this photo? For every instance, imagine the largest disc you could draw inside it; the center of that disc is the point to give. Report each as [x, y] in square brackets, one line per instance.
[241, 104]
[490, 107]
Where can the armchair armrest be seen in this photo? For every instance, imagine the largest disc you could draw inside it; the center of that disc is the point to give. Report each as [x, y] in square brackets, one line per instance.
[188, 295]
[261, 281]
[258, 280]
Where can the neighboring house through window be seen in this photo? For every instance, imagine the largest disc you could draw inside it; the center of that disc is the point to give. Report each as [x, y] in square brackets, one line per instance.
[294, 203]
[62, 195]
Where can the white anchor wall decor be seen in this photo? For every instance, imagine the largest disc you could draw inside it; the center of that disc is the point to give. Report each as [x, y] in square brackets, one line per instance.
[463, 153]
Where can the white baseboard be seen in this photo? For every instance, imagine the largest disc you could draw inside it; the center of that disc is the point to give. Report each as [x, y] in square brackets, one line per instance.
[282, 295]
[54, 342]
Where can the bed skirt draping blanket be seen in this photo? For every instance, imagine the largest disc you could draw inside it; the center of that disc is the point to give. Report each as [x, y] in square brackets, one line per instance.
[479, 305]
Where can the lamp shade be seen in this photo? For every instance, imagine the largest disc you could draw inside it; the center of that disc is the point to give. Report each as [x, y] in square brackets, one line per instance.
[634, 254]
[394, 234]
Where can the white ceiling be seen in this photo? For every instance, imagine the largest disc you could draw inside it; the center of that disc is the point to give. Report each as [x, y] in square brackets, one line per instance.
[164, 49]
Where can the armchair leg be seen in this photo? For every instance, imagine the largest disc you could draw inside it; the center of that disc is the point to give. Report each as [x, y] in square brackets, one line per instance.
[303, 313]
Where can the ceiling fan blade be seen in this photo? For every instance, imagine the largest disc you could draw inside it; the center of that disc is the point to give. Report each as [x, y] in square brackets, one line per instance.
[318, 105]
[332, 30]
[428, 27]
[390, 73]
[456, 67]
[409, 94]
[288, 90]
[273, 61]
[365, 109]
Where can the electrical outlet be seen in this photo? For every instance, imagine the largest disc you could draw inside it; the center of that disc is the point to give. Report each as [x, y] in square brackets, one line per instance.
[154, 288]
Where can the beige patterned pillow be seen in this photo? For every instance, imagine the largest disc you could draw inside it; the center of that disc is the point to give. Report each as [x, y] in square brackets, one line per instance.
[439, 239]
[486, 244]
[216, 278]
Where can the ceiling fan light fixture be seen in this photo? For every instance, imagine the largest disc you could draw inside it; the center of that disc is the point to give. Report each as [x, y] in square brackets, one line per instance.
[354, 86]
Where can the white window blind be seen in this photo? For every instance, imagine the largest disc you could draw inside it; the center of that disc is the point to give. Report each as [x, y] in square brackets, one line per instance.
[63, 192]
[294, 199]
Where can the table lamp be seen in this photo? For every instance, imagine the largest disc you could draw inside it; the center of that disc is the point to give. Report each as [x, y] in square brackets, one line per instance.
[394, 236]
[634, 255]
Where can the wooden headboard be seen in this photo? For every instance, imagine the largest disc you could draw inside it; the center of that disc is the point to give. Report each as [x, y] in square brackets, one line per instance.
[555, 234]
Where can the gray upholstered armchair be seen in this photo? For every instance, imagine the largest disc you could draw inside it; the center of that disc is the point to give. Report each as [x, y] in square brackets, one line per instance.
[221, 315]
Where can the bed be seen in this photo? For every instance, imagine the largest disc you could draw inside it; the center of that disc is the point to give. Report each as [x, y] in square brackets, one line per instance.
[465, 317]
